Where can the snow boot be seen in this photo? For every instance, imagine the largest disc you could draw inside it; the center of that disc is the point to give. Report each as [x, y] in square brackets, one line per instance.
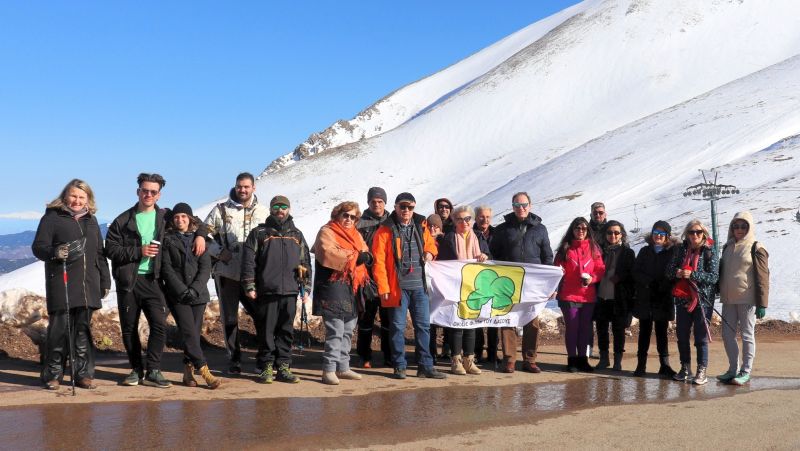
[469, 365]
[457, 365]
[211, 381]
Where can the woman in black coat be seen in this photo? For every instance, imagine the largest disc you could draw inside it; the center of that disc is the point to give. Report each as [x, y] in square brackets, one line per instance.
[185, 278]
[614, 293]
[653, 303]
[69, 242]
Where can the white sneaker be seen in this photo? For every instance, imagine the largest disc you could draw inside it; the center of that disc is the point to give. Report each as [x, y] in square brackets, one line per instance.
[349, 374]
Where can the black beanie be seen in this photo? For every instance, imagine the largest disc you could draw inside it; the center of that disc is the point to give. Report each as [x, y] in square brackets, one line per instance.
[376, 191]
[182, 207]
[663, 225]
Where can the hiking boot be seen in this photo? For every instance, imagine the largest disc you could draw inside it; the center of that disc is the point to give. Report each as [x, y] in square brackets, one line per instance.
[265, 377]
[285, 374]
[604, 362]
[430, 373]
[665, 369]
[617, 361]
[188, 375]
[133, 379]
[583, 364]
[348, 375]
[508, 366]
[235, 368]
[457, 365]
[469, 365]
[641, 366]
[530, 367]
[741, 378]
[572, 366]
[727, 376]
[700, 377]
[85, 383]
[684, 375]
[329, 378]
[154, 378]
[399, 373]
[52, 385]
[211, 381]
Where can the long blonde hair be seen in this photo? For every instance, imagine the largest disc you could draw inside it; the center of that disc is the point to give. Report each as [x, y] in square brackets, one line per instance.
[60, 201]
[692, 223]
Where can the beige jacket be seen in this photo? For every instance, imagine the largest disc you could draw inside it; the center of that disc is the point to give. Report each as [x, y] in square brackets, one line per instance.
[230, 232]
[742, 280]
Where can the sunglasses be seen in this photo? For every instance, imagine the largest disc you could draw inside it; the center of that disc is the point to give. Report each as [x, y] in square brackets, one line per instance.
[464, 219]
[148, 192]
[694, 232]
[443, 207]
[740, 227]
[584, 228]
[347, 216]
[599, 213]
[519, 204]
[280, 207]
[659, 233]
[613, 232]
[406, 207]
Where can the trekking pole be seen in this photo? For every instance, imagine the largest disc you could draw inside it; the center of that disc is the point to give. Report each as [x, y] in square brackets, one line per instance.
[724, 320]
[69, 329]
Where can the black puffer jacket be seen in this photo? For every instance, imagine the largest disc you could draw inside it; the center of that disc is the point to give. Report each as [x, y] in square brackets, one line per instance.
[181, 269]
[523, 241]
[124, 245]
[624, 291]
[87, 275]
[368, 225]
[485, 243]
[653, 289]
[272, 253]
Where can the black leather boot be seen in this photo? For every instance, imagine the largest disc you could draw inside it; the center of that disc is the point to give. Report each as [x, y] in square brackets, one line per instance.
[665, 369]
[603, 363]
[640, 365]
[617, 361]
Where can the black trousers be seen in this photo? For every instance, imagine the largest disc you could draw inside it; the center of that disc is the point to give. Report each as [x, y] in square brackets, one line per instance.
[57, 344]
[605, 316]
[276, 315]
[491, 342]
[645, 329]
[145, 297]
[462, 341]
[230, 294]
[445, 340]
[189, 319]
[366, 322]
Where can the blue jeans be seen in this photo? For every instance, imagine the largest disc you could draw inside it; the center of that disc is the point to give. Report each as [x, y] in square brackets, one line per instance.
[685, 321]
[415, 301]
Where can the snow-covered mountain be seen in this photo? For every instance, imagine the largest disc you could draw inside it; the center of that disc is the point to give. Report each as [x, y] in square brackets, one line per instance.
[614, 100]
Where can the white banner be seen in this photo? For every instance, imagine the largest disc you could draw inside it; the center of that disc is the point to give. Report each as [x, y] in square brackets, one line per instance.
[467, 294]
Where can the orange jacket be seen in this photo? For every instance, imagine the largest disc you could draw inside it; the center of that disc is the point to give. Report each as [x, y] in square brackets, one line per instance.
[387, 251]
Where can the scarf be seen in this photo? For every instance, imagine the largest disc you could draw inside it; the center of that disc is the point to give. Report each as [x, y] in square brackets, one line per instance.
[76, 214]
[339, 248]
[686, 288]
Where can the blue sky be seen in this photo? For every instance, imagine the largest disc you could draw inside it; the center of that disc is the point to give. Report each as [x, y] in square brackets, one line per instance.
[200, 91]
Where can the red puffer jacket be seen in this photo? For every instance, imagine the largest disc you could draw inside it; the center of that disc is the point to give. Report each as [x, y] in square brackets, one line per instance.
[579, 259]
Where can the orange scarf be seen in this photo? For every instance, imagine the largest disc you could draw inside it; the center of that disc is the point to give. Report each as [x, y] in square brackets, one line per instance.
[349, 240]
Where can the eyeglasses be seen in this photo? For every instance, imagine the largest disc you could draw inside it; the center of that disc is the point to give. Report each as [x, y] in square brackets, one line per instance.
[613, 232]
[519, 204]
[148, 192]
[408, 207]
[659, 233]
[280, 207]
[464, 219]
[443, 207]
[347, 216]
[581, 227]
[694, 232]
[740, 227]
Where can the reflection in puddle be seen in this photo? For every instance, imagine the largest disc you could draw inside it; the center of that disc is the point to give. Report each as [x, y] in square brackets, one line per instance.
[383, 417]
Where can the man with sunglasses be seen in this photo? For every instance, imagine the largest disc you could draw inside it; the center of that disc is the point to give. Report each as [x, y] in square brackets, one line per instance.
[371, 219]
[133, 245]
[275, 268]
[401, 247]
[444, 208]
[521, 238]
[229, 223]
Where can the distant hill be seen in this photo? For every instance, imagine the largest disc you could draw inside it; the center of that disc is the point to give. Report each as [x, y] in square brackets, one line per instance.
[16, 247]
[7, 264]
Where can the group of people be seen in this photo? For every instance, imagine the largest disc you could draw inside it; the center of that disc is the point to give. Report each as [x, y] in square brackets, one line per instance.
[373, 263]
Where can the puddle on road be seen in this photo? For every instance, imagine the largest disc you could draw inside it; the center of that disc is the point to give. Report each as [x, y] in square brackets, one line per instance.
[346, 421]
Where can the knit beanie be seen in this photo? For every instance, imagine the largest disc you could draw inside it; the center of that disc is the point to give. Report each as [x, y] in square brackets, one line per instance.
[435, 220]
[663, 225]
[376, 191]
[182, 207]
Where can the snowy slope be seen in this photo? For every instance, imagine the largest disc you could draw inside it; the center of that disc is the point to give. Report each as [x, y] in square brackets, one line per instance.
[621, 101]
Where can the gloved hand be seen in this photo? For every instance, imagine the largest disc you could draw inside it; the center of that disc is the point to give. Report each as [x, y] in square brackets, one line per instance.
[761, 312]
[364, 257]
[62, 252]
[189, 296]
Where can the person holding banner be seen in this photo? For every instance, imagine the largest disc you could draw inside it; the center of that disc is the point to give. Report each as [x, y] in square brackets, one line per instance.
[401, 247]
[522, 238]
[69, 242]
[461, 244]
[341, 258]
[581, 259]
